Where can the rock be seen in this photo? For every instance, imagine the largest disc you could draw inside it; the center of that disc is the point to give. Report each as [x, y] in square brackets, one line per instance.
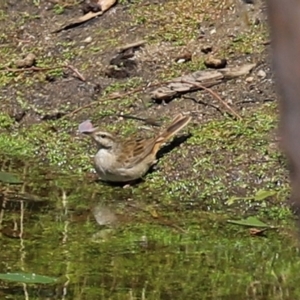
[215, 63]
[249, 79]
[26, 62]
[88, 40]
[116, 72]
[184, 57]
[206, 49]
[261, 74]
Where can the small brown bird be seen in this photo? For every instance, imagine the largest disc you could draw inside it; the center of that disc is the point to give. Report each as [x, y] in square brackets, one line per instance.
[126, 160]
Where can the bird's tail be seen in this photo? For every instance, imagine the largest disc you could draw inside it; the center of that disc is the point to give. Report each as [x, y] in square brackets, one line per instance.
[177, 124]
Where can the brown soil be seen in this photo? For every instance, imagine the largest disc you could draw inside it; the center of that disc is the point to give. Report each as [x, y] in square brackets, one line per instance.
[169, 29]
[28, 27]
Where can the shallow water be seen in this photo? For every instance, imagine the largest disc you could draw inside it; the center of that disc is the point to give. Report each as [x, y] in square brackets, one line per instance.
[111, 243]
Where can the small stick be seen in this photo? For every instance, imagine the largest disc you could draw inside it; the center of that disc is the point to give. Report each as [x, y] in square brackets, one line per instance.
[76, 72]
[132, 45]
[214, 95]
[149, 121]
[118, 96]
[112, 97]
[33, 68]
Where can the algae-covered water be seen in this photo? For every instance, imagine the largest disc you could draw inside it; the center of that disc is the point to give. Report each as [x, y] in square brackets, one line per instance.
[167, 237]
[101, 245]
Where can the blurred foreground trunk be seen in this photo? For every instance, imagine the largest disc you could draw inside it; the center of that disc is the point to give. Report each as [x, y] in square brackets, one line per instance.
[284, 20]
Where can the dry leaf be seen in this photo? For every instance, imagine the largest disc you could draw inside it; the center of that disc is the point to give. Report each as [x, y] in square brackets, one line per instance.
[206, 78]
[257, 232]
[104, 4]
[153, 213]
[90, 15]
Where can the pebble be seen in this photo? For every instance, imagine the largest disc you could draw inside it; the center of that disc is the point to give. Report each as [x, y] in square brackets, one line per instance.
[181, 60]
[249, 79]
[206, 49]
[26, 62]
[261, 74]
[88, 40]
[184, 57]
[215, 63]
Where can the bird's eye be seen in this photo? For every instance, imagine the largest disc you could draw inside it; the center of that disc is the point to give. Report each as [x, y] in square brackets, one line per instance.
[102, 136]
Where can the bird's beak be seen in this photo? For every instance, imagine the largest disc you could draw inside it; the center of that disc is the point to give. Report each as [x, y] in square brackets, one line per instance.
[87, 127]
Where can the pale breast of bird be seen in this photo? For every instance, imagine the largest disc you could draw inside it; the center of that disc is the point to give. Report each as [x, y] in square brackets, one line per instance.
[104, 161]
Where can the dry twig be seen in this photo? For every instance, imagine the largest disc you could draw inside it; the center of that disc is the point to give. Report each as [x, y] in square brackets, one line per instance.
[118, 96]
[131, 45]
[33, 68]
[214, 95]
[113, 97]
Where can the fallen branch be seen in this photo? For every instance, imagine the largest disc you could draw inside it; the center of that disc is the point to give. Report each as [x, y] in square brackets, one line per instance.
[155, 95]
[33, 68]
[214, 95]
[112, 97]
[207, 78]
[173, 87]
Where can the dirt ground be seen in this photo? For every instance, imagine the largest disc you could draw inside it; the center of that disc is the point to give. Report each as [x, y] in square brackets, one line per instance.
[170, 29]
[30, 97]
